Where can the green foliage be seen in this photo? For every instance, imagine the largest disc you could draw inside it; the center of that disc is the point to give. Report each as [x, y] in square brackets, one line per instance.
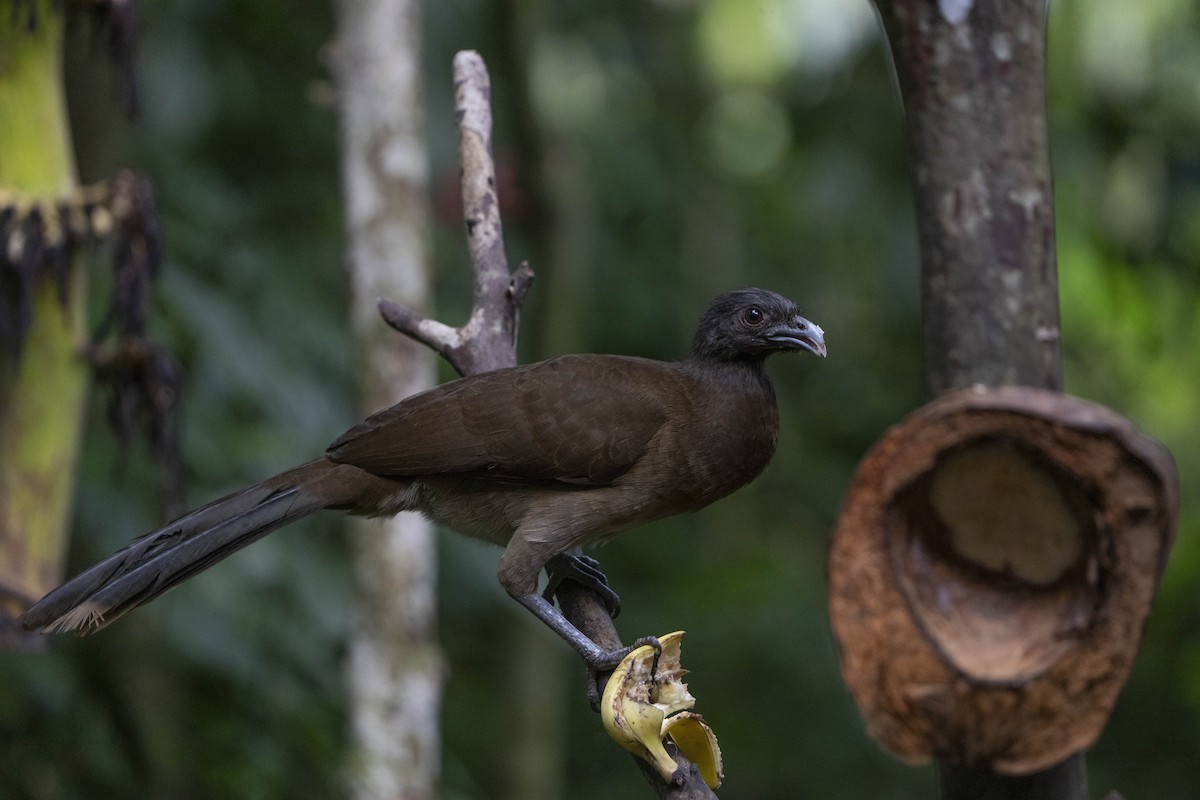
[649, 159]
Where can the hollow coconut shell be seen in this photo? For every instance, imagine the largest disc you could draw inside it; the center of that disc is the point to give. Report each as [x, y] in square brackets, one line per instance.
[991, 573]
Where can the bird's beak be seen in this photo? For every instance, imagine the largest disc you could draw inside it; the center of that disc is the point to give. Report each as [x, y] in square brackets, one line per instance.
[800, 334]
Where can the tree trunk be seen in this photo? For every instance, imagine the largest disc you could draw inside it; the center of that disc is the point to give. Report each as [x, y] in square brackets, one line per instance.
[972, 77]
[973, 80]
[395, 665]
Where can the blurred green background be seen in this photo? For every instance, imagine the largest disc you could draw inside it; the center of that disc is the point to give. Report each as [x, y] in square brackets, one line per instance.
[651, 155]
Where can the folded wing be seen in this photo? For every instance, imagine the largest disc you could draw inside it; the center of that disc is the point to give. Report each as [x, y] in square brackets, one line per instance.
[578, 419]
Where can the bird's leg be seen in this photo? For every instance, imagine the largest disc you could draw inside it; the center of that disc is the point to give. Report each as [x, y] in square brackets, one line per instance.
[596, 657]
[584, 570]
[523, 559]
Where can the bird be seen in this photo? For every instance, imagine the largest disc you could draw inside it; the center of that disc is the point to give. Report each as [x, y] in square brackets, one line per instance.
[542, 459]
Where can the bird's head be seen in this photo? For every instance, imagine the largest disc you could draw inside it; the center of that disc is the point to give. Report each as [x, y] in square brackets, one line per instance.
[753, 323]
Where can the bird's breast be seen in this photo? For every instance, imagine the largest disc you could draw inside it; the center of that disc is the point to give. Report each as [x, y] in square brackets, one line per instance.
[725, 444]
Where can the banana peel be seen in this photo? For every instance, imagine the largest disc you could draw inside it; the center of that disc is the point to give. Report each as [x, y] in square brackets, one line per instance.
[642, 706]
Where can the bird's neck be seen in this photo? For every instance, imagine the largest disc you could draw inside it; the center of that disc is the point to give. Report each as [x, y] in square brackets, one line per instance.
[732, 425]
[733, 373]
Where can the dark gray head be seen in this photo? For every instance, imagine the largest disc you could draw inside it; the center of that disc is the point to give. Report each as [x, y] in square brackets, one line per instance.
[750, 324]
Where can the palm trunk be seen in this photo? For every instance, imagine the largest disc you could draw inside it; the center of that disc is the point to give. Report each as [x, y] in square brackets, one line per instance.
[42, 390]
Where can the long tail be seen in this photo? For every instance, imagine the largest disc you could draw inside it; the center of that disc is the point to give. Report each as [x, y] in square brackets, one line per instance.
[156, 562]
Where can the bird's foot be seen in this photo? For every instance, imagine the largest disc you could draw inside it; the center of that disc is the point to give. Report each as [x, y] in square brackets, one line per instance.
[598, 660]
[607, 660]
[585, 571]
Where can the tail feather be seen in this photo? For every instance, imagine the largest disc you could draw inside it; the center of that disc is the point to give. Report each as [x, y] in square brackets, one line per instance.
[159, 560]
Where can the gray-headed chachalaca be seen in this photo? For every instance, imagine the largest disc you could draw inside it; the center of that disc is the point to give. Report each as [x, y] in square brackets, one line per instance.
[540, 459]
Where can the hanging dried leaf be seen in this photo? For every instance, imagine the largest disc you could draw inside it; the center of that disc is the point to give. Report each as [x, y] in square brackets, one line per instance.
[40, 238]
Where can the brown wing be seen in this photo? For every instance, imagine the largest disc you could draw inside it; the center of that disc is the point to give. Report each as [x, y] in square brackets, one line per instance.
[583, 419]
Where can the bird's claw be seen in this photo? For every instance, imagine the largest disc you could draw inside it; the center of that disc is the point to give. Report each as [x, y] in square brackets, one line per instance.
[585, 571]
[607, 660]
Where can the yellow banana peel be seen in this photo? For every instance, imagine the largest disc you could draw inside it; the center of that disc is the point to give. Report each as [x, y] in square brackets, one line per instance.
[640, 709]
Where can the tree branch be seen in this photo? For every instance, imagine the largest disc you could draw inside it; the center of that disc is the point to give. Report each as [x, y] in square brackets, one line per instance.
[586, 611]
[488, 340]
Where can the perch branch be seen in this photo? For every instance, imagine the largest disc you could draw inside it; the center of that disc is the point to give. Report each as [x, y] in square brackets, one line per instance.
[488, 340]
[586, 611]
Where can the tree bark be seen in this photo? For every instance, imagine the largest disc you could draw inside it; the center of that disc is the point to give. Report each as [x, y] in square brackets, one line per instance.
[395, 671]
[972, 77]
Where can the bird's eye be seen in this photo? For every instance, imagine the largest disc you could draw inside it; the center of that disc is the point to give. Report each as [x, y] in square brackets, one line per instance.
[752, 316]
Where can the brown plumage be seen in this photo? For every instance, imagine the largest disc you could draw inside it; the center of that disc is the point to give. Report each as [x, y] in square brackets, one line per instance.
[540, 459]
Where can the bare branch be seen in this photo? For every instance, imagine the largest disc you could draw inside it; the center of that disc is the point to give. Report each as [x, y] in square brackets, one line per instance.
[437, 336]
[488, 340]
